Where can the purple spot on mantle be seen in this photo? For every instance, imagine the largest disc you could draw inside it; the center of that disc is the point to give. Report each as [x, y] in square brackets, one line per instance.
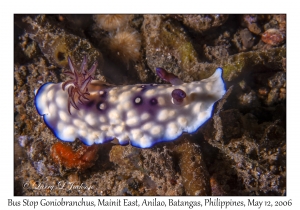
[178, 95]
[153, 101]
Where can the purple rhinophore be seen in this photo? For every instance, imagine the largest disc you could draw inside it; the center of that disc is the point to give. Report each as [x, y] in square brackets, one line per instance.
[161, 73]
[169, 77]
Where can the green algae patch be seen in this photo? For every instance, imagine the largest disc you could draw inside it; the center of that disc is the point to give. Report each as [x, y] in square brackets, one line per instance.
[175, 39]
[234, 65]
[188, 54]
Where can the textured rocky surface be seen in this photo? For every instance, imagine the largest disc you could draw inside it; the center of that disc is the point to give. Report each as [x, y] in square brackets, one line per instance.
[241, 150]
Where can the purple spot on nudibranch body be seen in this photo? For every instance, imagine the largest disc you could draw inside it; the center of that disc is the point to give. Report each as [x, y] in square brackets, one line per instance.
[178, 95]
[153, 101]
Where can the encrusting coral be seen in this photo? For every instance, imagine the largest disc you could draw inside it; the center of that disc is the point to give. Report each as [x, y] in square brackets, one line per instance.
[112, 22]
[123, 41]
[81, 158]
[125, 46]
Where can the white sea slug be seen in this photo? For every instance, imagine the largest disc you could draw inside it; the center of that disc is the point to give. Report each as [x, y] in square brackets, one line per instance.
[142, 114]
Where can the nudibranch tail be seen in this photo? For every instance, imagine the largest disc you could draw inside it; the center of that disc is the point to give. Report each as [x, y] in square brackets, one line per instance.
[142, 114]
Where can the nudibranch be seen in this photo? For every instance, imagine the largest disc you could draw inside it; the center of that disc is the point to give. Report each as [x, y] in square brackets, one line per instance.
[142, 114]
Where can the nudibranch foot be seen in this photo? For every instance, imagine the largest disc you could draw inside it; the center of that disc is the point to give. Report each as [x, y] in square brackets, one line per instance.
[142, 114]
